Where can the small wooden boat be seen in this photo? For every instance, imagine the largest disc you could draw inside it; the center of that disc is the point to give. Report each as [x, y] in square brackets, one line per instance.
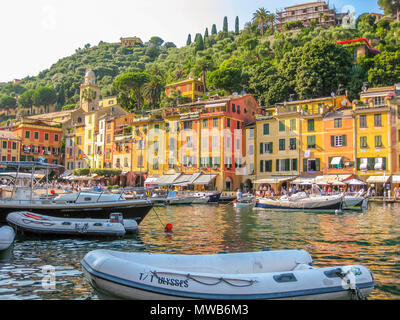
[284, 274]
[28, 222]
[243, 203]
[7, 236]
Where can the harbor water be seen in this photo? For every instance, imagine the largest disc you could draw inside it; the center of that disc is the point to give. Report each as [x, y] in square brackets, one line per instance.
[370, 238]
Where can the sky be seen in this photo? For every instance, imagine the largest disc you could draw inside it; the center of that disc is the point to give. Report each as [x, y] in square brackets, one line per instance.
[35, 34]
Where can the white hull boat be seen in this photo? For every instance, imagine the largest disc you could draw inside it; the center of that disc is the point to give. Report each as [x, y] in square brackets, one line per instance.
[243, 203]
[28, 222]
[352, 202]
[239, 276]
[7, 236]
[301, 201]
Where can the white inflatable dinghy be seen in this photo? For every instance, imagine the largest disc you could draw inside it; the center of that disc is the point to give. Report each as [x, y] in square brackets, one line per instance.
[7, 236]
[239, 276]
[30, 222]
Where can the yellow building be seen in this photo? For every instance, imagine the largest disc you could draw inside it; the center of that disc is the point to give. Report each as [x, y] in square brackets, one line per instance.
[278, 141]
[312, 145]
[249, 149]
[156, 150]
[190, 88]
[10, 146]
[376, 136]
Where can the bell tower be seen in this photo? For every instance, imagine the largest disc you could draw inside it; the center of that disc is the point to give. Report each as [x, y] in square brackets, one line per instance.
[89, 92]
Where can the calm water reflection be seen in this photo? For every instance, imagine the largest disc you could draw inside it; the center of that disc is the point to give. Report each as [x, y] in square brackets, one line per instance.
[371, 238]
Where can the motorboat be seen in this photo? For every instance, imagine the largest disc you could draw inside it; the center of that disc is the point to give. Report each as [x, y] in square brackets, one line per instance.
[7, 236]
[227, 196]
[84, 204]
[302, 201]
[285, 274]
[354, 201]
[206, 197]
[175, 198]
[200, 198]
[29, 222]
[158, 198]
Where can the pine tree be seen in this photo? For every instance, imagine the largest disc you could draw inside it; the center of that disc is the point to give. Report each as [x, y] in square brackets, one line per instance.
[199, 43]
[237, 25]
[214, 29]
[189, 40]
[206, 34]
[225, 27]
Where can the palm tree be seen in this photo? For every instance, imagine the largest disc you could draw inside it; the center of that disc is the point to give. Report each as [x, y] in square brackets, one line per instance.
[203, 65]
[261, 16]
[271, 20]
[153, 89]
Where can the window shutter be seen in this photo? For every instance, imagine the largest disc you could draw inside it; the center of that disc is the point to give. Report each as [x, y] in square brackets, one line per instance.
[358, 163]
[305, 165]
[344, 142]
[332, 141]
[371, 163]
[287, 165]
[329, 163]
[277, 165]
[384, 163]
[271, 147]
[261, 148]
[261, 165]
[317, 164]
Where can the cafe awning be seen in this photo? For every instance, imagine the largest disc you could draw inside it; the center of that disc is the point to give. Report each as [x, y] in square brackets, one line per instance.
[183, 180]
[275, 180]
[151, 180]
[335, 161]
[167, 179]
[304, 180]
[396, 179]
[204, 179]
[333, 178]
[378, 179]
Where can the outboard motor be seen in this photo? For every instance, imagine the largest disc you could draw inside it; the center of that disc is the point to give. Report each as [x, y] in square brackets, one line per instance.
[116, 217]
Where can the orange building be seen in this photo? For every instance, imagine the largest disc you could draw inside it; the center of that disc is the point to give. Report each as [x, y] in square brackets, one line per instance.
[40, 141]
[190, 88]
[339, 156]
[10, 145]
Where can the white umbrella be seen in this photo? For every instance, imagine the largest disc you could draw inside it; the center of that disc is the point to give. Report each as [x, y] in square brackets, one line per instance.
[355, 182]
[338, 183]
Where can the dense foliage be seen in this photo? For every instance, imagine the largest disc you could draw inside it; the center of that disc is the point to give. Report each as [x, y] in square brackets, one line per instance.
[300, 63]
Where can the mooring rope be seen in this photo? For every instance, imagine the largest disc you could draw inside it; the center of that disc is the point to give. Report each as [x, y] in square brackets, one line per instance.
[219, 280]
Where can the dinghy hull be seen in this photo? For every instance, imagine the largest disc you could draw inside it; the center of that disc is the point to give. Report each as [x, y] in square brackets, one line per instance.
[7, 236]
[117, 276]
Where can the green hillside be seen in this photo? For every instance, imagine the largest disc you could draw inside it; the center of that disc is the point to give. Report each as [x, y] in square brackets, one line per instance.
[302, 63]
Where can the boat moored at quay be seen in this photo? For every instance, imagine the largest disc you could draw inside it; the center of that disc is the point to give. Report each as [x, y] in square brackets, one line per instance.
[87, 204]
